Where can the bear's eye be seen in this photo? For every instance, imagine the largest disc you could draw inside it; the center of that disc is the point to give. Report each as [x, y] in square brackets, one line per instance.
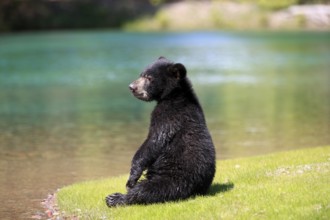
[149, 78]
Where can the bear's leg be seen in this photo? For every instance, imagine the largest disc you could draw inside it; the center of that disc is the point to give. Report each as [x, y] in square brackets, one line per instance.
[115, 199]
[155, 191]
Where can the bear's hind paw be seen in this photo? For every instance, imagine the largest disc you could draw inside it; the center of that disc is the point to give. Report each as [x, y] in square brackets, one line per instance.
[115, 199]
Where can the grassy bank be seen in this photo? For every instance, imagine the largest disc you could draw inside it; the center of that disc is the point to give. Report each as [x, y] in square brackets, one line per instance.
[287, 185]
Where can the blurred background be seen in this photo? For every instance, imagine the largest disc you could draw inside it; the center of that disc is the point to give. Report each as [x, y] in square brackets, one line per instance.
[22, 15]
[261, 70]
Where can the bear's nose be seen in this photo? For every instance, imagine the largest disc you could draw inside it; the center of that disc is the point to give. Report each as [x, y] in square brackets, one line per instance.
[132, 87]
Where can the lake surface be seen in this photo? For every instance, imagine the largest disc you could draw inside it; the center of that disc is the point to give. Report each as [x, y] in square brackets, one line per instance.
[66, 114]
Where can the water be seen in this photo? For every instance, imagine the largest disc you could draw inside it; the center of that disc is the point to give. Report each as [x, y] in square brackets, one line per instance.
[66, 114]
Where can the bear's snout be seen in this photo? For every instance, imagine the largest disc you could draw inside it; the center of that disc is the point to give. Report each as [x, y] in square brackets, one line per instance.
[137, 89]
[132, 87]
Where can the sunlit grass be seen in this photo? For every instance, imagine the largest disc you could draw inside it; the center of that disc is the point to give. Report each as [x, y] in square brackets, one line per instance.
[287, 185]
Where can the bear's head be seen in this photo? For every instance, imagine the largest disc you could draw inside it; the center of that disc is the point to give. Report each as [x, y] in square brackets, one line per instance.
[158, 80]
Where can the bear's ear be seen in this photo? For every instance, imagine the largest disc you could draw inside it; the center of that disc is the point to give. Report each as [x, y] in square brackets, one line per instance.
[178, 71]
[161, 57]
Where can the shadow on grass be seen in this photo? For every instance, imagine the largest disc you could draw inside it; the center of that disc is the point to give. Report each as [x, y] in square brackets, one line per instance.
[216, 188]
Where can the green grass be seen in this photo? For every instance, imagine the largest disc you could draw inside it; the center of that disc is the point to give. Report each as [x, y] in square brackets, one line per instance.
[287, 185]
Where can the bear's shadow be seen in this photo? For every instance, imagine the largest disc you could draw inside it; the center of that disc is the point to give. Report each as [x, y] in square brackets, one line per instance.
[216, 188]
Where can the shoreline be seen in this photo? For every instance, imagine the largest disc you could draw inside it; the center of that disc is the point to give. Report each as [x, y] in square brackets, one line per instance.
[50, 209]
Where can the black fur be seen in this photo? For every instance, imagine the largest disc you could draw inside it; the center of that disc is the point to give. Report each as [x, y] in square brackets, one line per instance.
[178, 154]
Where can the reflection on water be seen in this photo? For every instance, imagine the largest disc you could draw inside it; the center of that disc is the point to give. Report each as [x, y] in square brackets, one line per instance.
[66, 114]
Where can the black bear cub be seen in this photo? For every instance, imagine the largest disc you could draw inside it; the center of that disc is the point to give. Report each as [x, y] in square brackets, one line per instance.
[178, 154]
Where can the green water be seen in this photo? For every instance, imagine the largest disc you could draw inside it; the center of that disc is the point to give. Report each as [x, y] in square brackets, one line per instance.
[66, 113]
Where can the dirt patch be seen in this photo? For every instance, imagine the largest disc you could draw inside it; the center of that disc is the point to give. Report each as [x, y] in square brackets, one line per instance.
[51, 210]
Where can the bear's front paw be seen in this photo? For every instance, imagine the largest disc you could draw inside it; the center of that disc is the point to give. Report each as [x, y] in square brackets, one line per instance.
[115, 199]
[130, 184]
